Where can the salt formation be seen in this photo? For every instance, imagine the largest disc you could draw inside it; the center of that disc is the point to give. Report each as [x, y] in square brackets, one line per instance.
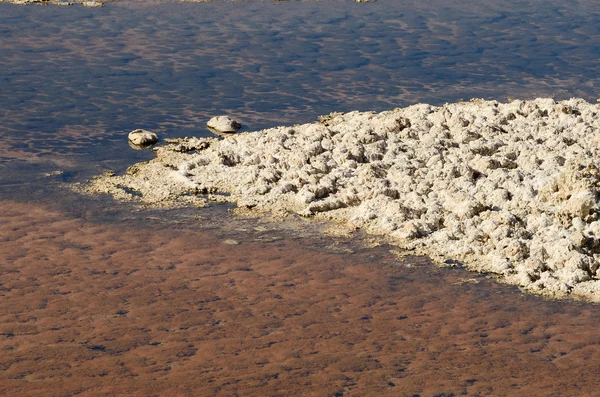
[142, 138]
[510, 189]
[223, 125]
[84, 3]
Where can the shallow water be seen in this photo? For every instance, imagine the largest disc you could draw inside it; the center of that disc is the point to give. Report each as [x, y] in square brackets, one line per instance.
[148, 307]
[123, 300]
[74, 80]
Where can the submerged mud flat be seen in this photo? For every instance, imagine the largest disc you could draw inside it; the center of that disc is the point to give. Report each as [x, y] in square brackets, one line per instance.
[155, 308]
[510, 189]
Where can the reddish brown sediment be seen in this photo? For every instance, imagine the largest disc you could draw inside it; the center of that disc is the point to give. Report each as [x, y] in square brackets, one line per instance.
[101, 309]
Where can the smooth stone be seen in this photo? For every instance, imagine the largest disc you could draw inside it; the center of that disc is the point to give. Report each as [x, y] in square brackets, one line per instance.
[141, 137]
[223, 124]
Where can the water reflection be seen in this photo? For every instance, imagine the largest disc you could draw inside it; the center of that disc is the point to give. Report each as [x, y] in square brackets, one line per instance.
[74, 80]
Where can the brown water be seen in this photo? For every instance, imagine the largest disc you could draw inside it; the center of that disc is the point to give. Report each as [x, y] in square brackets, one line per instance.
[99, 298]
[92, 308]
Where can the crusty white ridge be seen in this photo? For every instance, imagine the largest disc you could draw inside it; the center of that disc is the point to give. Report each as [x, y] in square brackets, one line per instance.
[511, 189]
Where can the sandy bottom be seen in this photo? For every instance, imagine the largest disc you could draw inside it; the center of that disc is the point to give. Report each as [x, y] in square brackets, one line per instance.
[101, 309]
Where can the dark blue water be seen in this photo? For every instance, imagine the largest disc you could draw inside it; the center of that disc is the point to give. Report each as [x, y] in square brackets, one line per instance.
[74, 81]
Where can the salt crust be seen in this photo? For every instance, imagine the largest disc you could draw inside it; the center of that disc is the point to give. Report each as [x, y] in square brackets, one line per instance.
[510, 189]
[142, 137]
[84, 3]
[223, 124]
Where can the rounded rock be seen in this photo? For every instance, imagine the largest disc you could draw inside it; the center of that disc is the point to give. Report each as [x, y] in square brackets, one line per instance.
[223, 124]
[141, 137]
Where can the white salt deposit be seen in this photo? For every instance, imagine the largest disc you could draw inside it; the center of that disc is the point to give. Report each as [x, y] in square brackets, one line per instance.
[142, 137]
[511, 189]
[223, 124]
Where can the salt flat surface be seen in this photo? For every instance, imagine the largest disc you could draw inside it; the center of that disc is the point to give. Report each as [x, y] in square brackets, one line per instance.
[510, 189]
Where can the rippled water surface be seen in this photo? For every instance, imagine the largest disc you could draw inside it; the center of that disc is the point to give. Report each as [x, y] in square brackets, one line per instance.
[123, 300]
[74, 80]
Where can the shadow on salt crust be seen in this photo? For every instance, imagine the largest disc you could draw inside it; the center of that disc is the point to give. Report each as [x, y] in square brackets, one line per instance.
[510, 189]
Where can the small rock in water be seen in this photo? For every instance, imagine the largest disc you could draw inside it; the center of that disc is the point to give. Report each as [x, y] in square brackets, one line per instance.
[223, 124]
[54, 173]
[142, 138]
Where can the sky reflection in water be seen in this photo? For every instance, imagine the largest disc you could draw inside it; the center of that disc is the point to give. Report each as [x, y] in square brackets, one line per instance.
[75, 80]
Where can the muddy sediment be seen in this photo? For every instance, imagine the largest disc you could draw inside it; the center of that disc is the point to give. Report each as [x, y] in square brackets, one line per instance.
[510, 189]
[110, 309]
